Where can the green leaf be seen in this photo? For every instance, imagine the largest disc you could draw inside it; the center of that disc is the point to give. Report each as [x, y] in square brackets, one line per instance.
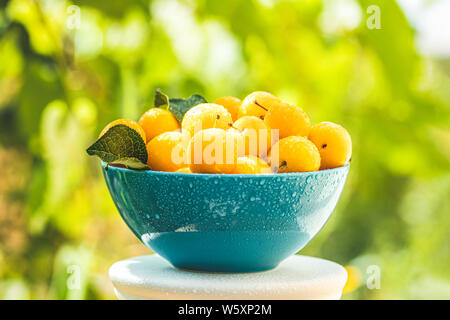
[179, 107]
[161, 99]
[119, 142]
[130, 163]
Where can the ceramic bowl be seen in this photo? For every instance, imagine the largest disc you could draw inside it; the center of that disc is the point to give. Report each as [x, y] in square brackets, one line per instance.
[225, 223]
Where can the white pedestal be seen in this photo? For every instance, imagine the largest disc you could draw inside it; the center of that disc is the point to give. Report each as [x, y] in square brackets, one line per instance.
[297, 278]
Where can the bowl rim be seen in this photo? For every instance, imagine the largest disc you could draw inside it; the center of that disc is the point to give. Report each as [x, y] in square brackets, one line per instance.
[225, 176]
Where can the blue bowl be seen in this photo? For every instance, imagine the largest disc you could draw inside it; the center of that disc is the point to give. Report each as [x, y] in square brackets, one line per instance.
[225, 223]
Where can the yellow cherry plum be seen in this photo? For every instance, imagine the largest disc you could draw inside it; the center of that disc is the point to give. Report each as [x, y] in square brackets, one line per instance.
[236, 141]
[156, 121]
[206, 116]
[129, 123]
[257, 135]
[290, 120]
[166, 152]
[230, 103]
[251, 165]
[256, 104]
[294, 154]
[212, 151]
[334, 144]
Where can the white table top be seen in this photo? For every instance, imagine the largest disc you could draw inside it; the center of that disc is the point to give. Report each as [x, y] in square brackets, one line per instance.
[298, 277]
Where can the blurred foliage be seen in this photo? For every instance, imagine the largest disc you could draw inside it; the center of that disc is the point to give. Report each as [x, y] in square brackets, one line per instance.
[69, 68]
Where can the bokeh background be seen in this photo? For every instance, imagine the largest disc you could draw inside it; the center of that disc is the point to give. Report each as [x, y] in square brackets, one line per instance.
[68, 68]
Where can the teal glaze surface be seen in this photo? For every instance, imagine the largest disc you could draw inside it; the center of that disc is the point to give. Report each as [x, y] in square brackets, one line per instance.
[225, 223]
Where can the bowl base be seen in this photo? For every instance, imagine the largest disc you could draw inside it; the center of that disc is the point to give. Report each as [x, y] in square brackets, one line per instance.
[221, 270]
[226, 251]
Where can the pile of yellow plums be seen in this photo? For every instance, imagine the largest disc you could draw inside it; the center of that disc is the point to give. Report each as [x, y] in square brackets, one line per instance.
[260, 134]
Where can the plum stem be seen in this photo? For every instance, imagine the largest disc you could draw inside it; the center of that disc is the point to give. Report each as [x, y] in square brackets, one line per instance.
[215, 121]
[256, 102]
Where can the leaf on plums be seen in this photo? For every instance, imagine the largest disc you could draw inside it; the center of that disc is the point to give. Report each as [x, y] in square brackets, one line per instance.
[179, 107]
[130, 163]
[120, 142]
[161, 99]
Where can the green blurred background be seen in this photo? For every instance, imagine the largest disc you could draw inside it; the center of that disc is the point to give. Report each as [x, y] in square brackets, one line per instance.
[69, 68]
